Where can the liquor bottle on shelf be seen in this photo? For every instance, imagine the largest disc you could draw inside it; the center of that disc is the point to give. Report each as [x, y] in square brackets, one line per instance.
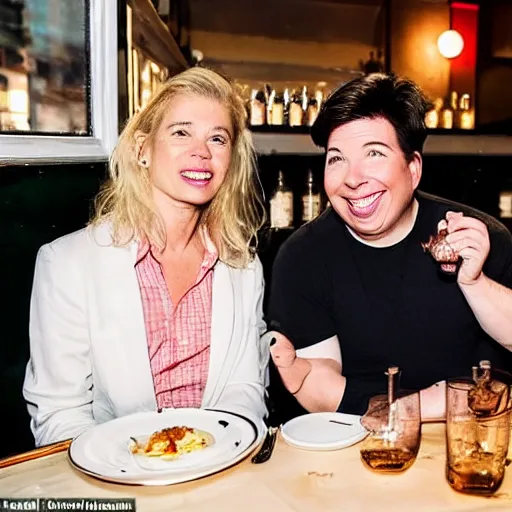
[447, 115]
[310, 199]
[433, 115]
[277, 112]
[295, 112]
[467, 114]
[312, 111]
[505, 204]
[258, 108]
[267, 90]
[320, 94]
[454, 103]
[286, 107]
[270, 104]
[281, 205]
[305, 102]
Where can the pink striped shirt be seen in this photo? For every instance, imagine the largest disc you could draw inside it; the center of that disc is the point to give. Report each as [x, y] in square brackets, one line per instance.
[178, 335]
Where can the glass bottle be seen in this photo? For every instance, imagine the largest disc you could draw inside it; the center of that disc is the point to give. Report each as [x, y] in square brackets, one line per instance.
[258, 108]
[310, 199]
[467, 114]
[305, 102]
[281, 205]
[312, 111]
[454, 104]
[447, 116]
[295, 112]
[286, 107]
[277, 113]
[320, 93]
[269, 98]
[432, 117]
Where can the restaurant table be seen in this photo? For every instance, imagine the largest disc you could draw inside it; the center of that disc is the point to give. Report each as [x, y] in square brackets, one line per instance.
[293, 480]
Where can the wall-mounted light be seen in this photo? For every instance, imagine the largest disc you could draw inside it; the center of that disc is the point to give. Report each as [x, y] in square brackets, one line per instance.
[450, 44]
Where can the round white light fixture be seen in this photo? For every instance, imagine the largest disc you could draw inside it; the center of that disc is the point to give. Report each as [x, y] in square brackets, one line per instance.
[450, 44]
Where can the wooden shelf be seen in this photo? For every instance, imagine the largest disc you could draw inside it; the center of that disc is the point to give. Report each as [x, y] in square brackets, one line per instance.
[284, 144]
[450, 144]
[152, 37]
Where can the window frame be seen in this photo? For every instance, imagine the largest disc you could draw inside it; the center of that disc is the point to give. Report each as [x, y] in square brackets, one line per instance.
[103, 75]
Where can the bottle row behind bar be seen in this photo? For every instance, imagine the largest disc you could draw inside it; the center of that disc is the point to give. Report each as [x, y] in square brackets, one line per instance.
[268, 106]
[289, 107]
[283, 200]
[453, 112]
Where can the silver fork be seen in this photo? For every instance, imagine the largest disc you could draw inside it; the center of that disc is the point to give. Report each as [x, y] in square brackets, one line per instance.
[267, 447]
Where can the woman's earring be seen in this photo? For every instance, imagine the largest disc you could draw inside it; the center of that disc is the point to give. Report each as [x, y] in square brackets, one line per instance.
[143, 162]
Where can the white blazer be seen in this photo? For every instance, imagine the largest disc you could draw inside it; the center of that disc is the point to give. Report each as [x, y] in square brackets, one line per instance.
[89, 358]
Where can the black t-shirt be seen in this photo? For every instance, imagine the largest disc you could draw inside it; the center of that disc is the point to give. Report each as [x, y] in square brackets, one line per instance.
[388, 306]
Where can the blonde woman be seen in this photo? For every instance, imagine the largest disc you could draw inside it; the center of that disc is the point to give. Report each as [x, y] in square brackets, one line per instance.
[158, 302]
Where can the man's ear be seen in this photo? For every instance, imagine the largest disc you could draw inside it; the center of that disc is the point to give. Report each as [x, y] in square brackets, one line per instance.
[416, 169]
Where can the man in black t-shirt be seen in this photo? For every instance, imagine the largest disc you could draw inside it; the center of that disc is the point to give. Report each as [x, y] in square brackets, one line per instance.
[353, 292]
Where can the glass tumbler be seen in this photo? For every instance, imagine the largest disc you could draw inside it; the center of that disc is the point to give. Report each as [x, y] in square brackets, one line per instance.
[476, 445]
[395, 433]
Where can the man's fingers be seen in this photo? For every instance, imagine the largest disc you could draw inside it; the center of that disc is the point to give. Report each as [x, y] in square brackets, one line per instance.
[442, 224]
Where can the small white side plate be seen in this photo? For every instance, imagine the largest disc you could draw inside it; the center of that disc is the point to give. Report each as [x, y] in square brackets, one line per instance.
[318, 431]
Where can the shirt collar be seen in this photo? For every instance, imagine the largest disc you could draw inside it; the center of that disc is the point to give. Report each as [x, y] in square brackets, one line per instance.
[211, 254]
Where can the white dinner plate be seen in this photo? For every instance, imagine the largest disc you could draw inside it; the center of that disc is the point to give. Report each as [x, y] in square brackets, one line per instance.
[103, 451]
[324, 431]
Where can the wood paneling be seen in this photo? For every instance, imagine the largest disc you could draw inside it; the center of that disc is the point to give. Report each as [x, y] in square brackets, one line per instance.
[302, 20]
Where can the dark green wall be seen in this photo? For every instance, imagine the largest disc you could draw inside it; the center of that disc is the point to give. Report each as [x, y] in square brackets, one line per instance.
[37, 205]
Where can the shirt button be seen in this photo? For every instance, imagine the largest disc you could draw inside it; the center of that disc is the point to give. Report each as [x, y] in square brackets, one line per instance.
[183, 342]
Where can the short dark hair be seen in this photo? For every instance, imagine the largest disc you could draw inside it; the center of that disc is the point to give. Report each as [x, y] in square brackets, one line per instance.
[398, 100]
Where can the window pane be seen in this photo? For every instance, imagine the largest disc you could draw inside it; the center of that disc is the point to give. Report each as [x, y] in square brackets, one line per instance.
[44, 67]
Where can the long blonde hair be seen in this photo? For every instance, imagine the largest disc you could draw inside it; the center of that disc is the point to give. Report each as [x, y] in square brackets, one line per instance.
[232, 218]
